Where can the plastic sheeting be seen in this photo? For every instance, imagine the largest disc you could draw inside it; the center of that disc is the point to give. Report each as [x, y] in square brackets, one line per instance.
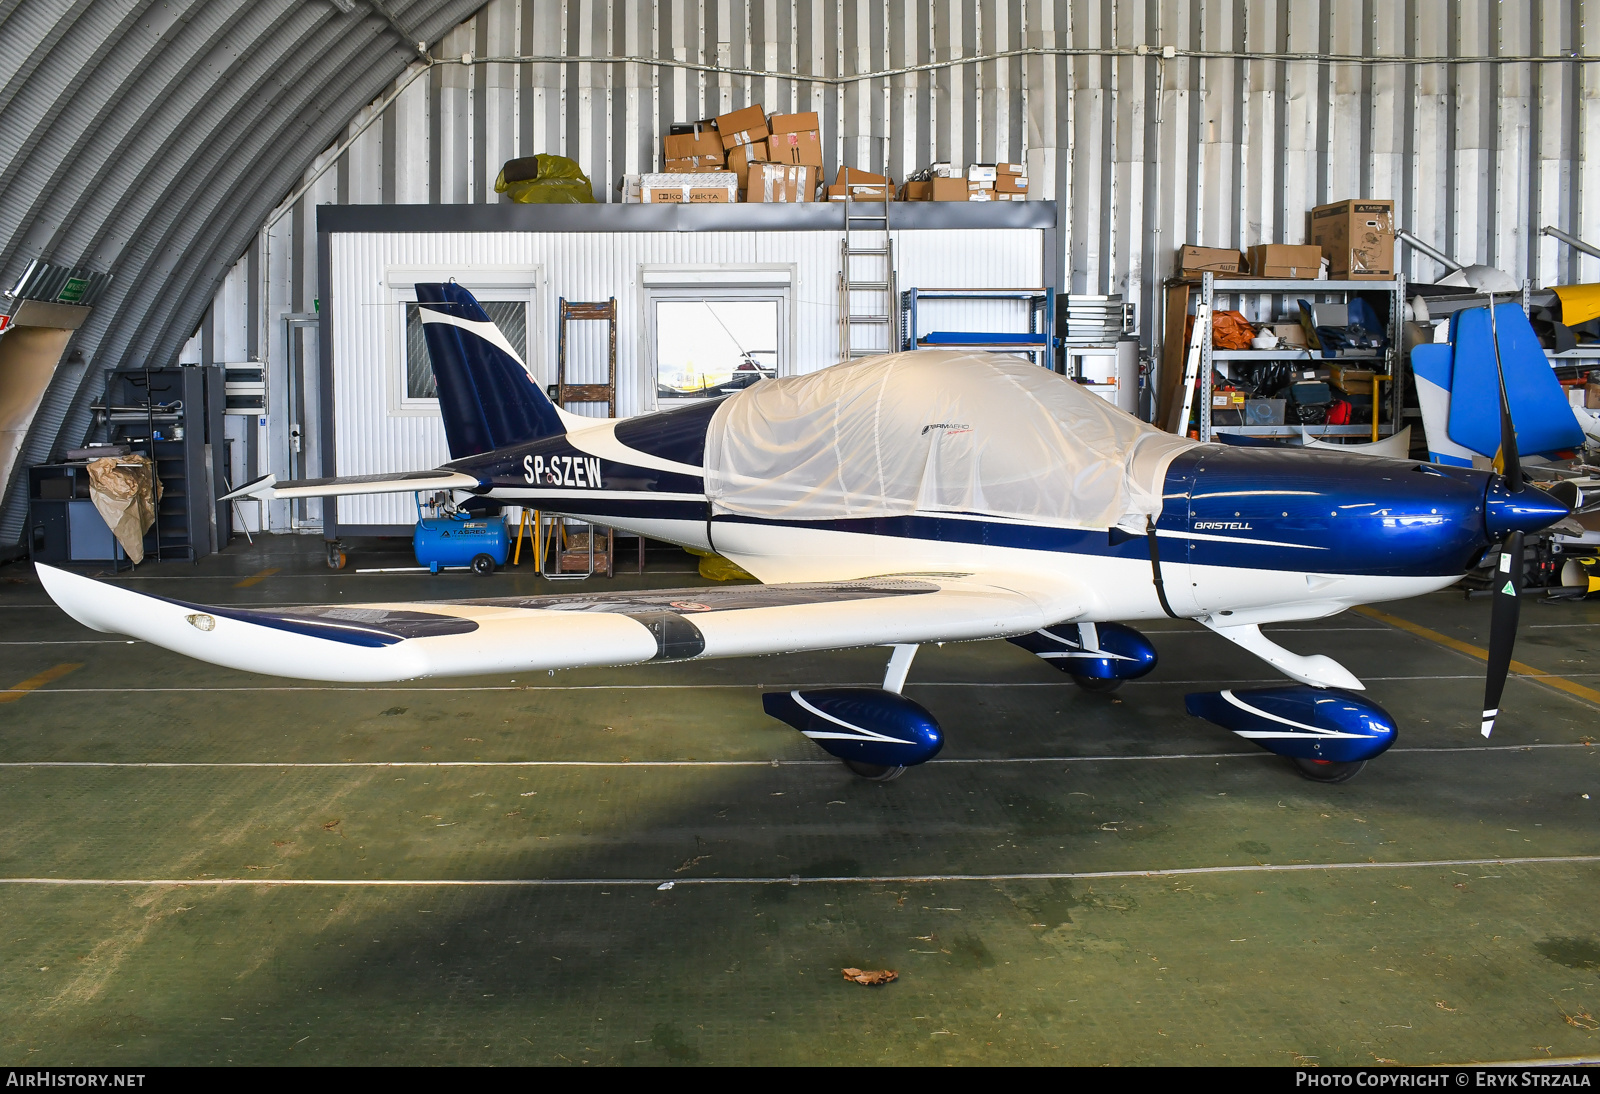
[544, 180]
[935, 431]
[126, 495]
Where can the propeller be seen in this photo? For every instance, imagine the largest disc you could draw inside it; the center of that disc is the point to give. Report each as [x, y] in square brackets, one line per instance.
[1507, 603]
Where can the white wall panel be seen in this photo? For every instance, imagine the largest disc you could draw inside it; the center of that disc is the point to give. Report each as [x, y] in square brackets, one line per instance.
[372, 438]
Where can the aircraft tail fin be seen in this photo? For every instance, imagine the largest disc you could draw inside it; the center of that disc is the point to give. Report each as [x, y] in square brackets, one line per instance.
[487, 397]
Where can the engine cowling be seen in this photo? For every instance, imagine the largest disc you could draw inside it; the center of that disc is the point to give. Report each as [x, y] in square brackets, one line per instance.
[862, 725]
[1299, 721]
[1099, 651]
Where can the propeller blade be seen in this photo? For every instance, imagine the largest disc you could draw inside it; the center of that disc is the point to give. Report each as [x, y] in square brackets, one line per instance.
[1503, 626]
[1510, 461]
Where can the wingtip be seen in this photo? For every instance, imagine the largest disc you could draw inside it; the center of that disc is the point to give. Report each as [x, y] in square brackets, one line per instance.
[258, 488]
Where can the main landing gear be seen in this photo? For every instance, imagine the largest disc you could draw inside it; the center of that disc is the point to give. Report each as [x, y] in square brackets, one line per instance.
[1328, 771]
[876, 732]
[876, 772]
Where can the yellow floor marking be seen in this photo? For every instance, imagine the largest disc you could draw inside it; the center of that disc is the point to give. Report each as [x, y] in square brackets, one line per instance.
[255, 578]
[1560, 683]
[17, 691]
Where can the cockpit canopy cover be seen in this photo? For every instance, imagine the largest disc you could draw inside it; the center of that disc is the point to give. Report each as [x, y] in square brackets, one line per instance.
[935, 431]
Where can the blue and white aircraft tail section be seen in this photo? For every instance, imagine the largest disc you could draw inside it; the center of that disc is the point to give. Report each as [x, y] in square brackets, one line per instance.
[487, 397]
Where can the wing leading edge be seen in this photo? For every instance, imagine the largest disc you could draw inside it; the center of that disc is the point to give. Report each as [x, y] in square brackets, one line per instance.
[400, 641]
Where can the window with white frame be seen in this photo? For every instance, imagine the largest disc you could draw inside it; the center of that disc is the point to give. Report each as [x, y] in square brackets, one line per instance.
[511, 316]
[713, 331]
[507, 296]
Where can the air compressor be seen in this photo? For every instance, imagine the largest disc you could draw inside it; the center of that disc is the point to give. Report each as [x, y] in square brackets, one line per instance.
[460, 539]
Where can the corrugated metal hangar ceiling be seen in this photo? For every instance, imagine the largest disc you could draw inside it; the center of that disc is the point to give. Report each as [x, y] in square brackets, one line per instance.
[151, 139]
[154, 140]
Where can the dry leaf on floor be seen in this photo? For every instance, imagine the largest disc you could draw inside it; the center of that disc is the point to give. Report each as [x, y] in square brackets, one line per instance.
[871, 977]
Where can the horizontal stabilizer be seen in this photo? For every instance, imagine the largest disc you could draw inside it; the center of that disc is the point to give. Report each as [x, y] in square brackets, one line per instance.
[268, 487]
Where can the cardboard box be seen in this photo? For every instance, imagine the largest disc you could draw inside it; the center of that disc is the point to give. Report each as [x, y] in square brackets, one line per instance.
[702, 142]
[1591, 393]
[740, 159]
[661, 188]
[980, 195]
[1011, 184]
[694, 164]
[1010, 169]
[788, 182]
[795, 123]
[1358, 238]
[862, 191]
[745, 126]
[981, 172]
[1282, 260]
[1292, 335]
[803, 147]
[1196, 260]
[948, 189]
[849, 175]
[917, 190]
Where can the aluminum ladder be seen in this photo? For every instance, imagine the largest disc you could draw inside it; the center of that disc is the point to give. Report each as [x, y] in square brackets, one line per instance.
[866, 281]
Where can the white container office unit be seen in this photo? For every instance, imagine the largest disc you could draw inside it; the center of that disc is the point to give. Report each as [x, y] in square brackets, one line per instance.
[371, 406]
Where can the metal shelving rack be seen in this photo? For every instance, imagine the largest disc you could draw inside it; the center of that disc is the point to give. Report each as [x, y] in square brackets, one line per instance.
[1041, 321]
[1212, 286]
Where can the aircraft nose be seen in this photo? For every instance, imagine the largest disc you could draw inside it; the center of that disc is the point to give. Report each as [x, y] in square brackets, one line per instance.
[1528, 511]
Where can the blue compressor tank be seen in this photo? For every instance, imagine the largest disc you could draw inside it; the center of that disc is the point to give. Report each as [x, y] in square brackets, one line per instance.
[460, 540]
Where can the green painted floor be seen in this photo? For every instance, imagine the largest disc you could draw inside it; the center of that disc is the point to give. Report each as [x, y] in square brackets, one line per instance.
[523, 826]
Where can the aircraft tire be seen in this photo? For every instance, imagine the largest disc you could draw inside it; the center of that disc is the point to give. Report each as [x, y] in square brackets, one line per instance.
[1096, 684]
[482, 564]
[874, 772]
[1328, 771]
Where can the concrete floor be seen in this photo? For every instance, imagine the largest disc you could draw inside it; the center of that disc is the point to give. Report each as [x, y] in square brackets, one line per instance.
[467, 871]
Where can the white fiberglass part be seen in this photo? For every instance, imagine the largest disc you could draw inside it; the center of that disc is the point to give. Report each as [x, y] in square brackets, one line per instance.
[269, 488]
[894, 677]
[935, 431]
[1318, 670]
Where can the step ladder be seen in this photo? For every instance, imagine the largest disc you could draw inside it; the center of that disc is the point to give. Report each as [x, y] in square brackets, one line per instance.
[866, 280]
[565, 554]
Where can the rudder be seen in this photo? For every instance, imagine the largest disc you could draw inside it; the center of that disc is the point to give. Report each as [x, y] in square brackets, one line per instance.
[486, 396]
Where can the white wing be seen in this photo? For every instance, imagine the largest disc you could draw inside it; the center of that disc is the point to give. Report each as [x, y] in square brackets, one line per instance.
[375, 642]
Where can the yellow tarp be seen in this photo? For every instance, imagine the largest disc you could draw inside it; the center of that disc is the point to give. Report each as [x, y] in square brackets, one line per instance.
[1579, 303]
[544, 180]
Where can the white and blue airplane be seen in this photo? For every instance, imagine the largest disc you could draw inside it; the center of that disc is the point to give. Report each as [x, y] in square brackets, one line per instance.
[922, 497]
